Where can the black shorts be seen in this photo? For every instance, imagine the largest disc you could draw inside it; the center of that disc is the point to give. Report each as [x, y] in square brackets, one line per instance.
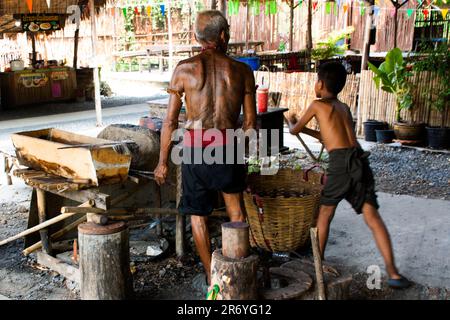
[202, 182]
[349, 177]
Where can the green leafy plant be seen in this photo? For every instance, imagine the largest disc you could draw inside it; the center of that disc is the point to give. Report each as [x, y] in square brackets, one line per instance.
[393, 76]
[436, 61]
[330, 47]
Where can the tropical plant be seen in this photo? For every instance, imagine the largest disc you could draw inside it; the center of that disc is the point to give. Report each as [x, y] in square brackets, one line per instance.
[437, 61]
[331, 46]
[393, 76]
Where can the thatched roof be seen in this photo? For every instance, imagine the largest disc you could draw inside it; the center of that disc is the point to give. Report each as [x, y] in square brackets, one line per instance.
[9, 8]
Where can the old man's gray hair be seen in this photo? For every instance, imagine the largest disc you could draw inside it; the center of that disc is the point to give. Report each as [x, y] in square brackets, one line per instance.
[209, 25]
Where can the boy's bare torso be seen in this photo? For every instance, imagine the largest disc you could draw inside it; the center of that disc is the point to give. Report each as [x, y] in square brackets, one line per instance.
[215, 87]
[336, 124]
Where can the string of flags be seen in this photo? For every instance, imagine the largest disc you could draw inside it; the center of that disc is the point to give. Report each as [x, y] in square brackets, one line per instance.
[270, 7]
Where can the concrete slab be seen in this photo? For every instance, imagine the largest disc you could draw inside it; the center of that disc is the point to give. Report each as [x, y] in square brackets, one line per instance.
[420, 234]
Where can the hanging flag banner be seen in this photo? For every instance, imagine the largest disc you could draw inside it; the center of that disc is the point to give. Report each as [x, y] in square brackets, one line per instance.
[345, 8]
[124, 11]
[314, 5]
[377, 2]
[409, 12]
[149, 11]
[300, 2]
[328, 8]
[376, 10]
[392, 12]
[163, 9]
[362, 10]
[273, 7]
[49, 3]
[444, 13]
[30, 5]
[425, 13]
[338, 2]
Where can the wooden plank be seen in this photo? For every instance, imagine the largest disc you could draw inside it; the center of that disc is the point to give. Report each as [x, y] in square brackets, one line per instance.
[68, 271]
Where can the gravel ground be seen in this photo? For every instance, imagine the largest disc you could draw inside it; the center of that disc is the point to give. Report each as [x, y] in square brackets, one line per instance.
[411, 172]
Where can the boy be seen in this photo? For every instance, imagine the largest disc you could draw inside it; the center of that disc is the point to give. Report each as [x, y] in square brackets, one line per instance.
[349, 175]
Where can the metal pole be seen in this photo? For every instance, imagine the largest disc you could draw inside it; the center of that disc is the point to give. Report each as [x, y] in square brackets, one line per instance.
[98, 101]
[169, 24]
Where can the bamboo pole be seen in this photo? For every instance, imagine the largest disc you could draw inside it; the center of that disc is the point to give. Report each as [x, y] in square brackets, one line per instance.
[98, 101]
[169, 24]
[44, 224]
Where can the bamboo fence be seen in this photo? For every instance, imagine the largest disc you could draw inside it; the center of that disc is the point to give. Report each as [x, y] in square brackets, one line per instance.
[379, 105]
[295, 91]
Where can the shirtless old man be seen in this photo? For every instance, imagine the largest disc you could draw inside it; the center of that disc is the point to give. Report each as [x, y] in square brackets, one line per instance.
[216, 88]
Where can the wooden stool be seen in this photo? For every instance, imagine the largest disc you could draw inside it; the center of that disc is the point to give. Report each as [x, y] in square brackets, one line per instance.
[104, 261]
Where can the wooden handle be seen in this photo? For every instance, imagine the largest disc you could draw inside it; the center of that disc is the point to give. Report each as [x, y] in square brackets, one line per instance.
[318, 264]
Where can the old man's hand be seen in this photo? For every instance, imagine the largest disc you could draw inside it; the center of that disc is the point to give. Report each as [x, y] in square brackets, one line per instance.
[161, 173]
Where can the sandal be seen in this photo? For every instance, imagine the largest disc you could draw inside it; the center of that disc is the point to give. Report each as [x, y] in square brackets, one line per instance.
[401, 283]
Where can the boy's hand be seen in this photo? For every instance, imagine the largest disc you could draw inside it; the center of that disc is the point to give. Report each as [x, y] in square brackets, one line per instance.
[292, 119]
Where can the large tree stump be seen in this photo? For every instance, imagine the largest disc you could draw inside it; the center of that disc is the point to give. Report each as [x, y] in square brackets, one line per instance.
[235, 240]
[236, 277]
[104, 262]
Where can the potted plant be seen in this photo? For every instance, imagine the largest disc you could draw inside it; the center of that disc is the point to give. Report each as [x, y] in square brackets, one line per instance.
[393, 76]
[437, 62]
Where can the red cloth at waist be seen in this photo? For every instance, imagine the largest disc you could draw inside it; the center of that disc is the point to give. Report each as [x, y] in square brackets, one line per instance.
[196, 138]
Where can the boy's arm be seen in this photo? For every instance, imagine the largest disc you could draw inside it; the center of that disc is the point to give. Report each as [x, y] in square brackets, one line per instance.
[300, 126]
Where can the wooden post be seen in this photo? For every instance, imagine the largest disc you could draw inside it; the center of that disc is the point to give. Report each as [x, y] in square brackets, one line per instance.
[317, 264]
[41, 204]
[366, 44]
[309, 43]
[236, 278]
[98, 101]
[180, 226]
[235, 240]
[7, 170]
[104, 262]
[169, 24]
[291, 25]
[159, 230]
[75, 49]
[247, 26]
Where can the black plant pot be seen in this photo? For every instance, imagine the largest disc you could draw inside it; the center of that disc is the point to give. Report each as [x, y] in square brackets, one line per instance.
[438, 138]
[369, 129]
[385, 136]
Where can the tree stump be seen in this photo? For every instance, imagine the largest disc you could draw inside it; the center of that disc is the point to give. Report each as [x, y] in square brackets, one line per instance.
[298, 283]
[236, 277]
[235, 240]
[104, 262]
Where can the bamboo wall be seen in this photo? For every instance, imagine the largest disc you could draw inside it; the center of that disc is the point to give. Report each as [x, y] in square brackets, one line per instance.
[296, 90]
[379, 105]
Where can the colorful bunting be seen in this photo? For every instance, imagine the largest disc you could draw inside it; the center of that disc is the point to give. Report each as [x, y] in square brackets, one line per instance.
[124, 11]
[273, 7]
[136, 10]
[444, 13]
[300, 2]
[163, 9]
[362, 10]
[314, 5]
[376, 10]
[409, 12]
[149, 11]
[345, 8]
[425, 13]
[30, 5]
[49, 3]
[233, 7]
[392, 12]
[328, 8]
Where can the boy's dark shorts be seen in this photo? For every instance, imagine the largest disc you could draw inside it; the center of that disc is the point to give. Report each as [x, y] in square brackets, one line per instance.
[349, 177]
[202, 182]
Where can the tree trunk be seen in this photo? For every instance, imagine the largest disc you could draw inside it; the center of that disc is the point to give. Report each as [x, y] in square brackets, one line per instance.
[309, 43]
[236, 278]
[366, 45]
[235, 240]
[104, 262]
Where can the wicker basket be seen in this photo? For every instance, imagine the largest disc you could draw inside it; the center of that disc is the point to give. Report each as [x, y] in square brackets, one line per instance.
[281, 222]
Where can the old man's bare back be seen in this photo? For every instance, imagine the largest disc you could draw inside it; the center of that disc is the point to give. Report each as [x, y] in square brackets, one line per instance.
[215, 88]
